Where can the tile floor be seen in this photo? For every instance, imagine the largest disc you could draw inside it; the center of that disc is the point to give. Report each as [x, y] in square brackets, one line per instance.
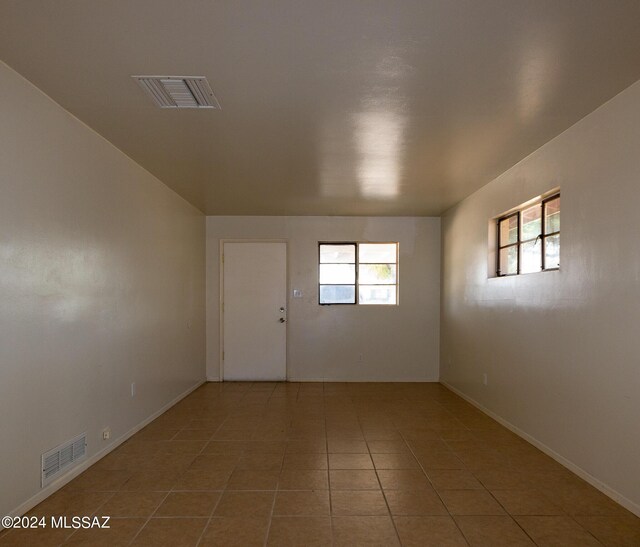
[331, 464]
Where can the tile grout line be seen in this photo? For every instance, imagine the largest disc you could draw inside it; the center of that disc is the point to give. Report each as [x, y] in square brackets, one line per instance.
[275, 494]
[213, 510]
[148, 519]
[173, 490]
[384, 495]
[509, 465]
[424, 471]
[113, 493]
[326, 444]
[261, 415]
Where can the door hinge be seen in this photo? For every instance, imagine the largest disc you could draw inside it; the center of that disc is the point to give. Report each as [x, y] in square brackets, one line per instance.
[223, 259]
[223, 355]
[223, 307]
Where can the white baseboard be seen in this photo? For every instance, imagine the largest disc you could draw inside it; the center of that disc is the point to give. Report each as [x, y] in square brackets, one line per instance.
[351, 380]
[366, 380]
[593, 481]
[73, 473]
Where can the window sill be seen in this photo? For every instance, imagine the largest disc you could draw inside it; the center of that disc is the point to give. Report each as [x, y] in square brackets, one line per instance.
[511, 276]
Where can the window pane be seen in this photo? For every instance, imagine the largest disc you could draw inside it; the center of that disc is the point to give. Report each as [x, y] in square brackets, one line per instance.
[376, 294]
[552, 216]
[552, 251]
[337, 294]
[377, 274]
[337, 273]
[338, 253]
[508, 260]
[377, 252]
[509, 230]
[531, 222]
[531, 256]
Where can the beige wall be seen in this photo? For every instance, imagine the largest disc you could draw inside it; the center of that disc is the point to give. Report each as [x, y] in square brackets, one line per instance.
[561, 349]
[325, 342]
[101, 285]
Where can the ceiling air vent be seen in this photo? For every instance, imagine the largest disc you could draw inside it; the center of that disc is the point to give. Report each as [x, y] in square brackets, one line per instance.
[55, 461]
[178, 91]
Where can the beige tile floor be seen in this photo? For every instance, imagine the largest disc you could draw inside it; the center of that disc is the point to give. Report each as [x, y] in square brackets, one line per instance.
[331, 464]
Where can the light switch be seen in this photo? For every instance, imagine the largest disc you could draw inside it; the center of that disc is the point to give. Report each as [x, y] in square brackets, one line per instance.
[297, 293]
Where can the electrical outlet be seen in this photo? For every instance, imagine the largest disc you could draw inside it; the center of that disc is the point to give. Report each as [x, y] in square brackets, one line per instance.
[485, 379]
[133, 389]
[106, 433]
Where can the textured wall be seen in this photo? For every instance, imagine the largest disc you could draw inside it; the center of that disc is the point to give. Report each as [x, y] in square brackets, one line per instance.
[325, 342]
[101, 285]
[561, 349]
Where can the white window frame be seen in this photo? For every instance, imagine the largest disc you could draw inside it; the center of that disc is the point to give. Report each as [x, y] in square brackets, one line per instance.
[356, 283]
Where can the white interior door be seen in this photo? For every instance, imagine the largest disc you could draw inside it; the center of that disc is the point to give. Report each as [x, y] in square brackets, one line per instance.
[254, 311]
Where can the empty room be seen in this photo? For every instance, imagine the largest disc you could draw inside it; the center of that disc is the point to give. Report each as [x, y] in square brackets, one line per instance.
[279, 272]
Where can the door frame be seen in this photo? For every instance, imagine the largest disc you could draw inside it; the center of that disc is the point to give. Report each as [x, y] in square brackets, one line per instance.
[221, 298]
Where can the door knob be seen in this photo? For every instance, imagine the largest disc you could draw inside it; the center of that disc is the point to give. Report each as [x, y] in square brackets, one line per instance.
[281, 309]
[282, 320]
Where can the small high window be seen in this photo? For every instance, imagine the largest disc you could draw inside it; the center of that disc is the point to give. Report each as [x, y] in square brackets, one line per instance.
[358, 273]
[529, 238]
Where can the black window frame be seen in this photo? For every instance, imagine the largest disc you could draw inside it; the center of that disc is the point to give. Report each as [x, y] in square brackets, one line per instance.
[543, 235]
[356, 283]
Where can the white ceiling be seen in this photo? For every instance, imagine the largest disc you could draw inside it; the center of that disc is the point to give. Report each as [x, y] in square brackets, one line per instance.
[338, 107]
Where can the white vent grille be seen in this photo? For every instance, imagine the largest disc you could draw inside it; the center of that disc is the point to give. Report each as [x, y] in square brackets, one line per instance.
[55, 461]
[178, 91]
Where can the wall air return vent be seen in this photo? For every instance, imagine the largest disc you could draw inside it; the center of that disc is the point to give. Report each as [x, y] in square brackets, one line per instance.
[178, 91]
[57, 460]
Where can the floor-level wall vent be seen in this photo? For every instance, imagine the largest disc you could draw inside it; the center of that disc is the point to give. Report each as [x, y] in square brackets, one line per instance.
[61, 458]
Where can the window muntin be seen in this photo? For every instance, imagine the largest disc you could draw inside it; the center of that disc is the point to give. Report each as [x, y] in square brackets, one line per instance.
[551, 233]
[337, 273]
[508, 238]
[358, 273]
[529, 239]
